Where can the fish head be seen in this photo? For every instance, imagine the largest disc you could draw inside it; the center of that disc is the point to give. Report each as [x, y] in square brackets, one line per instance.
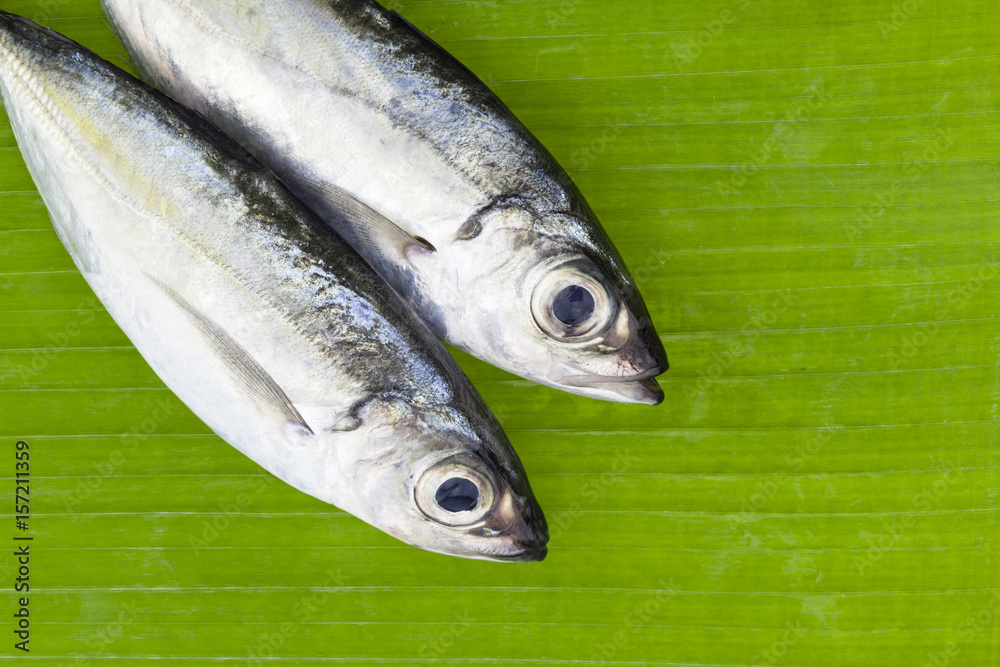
[554, 302]
[429, 479]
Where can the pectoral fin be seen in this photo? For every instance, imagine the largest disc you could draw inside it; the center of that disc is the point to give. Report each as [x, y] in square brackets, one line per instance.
[254, 381]
[365, 228]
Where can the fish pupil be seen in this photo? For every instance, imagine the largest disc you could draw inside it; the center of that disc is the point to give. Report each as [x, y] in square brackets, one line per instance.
[573, 305]
[457, 495]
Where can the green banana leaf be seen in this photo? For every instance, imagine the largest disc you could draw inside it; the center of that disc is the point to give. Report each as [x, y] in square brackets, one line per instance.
[807, 195]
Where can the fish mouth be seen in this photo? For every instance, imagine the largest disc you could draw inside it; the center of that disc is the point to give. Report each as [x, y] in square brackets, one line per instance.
[532, 537]
[646, 391]
[528, 552]
[524, 541]
[638, 388]
[532, 554]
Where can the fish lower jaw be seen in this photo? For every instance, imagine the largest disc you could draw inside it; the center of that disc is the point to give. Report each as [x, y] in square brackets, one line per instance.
[642, 389]
[531, 554]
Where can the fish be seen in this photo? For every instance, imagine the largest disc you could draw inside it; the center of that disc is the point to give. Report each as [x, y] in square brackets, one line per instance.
[270, 328]
[449, 196]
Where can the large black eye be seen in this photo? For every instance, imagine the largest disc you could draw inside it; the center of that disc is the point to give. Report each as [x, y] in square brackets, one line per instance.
[573, 305]
[457, 495]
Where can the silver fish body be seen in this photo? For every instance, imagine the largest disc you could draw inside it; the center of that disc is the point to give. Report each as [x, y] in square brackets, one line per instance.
[270, 328]
[489, 239]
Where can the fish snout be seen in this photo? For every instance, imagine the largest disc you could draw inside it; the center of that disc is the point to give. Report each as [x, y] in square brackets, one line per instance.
[528, 537]
[626, 375]
[656, 354]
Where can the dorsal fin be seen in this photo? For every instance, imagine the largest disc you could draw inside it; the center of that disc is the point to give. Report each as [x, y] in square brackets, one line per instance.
[255, 382]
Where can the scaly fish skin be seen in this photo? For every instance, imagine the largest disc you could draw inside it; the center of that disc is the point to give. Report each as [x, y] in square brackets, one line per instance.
[344, 96]
[270, 328]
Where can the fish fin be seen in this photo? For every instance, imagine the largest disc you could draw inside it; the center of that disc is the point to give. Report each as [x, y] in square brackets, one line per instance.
[253, 379]
[366, 228]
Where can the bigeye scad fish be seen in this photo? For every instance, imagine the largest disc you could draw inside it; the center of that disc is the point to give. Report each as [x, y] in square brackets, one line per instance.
[268, 326]
[449, 196]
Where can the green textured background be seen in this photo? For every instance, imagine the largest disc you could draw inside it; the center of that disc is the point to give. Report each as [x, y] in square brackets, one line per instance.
[808, 197]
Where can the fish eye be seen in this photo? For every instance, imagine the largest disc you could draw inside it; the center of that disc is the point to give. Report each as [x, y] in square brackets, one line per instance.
[457, 495]
[571, 303]
[458, 492]
[574, 305]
